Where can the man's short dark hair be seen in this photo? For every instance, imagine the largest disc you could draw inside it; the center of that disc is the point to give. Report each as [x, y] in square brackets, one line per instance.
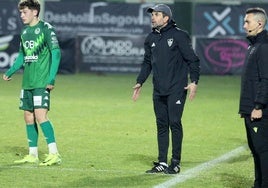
[256, 10]
[260, 12]
[31, 4]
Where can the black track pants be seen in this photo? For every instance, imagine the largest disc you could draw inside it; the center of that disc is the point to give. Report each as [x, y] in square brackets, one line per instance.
[257, 135]
[168, 111]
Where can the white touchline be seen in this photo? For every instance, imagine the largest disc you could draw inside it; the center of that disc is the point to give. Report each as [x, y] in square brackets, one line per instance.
[193, 172]
[59, 168]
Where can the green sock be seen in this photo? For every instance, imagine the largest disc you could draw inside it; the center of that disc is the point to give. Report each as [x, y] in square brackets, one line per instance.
[32, 134]
[48, 131]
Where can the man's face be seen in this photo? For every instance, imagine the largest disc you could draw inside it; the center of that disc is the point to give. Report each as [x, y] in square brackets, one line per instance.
[27, 15]
[158, 19]
[251, 26]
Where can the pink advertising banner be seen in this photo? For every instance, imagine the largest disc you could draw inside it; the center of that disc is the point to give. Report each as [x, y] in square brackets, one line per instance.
[222, 56]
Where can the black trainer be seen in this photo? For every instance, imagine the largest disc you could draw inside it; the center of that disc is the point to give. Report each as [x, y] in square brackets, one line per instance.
[174, 167]
[158, 168]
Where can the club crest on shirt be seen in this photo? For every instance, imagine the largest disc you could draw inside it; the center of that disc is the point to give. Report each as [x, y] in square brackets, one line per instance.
[37, 31]
[170, 42]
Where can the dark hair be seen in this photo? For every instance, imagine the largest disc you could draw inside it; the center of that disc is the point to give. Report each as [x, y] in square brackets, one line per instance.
[164, 14]
[31, 4]
[259, 12]
[256, 10]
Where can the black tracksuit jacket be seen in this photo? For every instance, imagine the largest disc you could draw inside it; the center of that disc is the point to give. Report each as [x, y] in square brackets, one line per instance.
[170, 56]
[254, 82]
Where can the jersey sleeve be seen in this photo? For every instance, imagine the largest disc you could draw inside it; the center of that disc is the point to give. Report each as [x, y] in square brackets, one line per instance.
[51, 38]
[17, 64]
[56, 56]
[53, 45]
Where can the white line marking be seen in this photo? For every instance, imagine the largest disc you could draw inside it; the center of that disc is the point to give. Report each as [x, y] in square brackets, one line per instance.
[62, 169]
[193, 172]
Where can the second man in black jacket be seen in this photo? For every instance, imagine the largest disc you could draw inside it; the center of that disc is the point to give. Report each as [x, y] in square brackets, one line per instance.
[254, 92]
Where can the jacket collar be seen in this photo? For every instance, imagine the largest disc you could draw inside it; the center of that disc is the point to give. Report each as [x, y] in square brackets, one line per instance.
[170, 24]
[259, 37]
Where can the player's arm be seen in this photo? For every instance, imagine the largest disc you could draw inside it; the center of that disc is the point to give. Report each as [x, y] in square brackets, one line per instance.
[55, 56]
[53, 45]
[15, 67]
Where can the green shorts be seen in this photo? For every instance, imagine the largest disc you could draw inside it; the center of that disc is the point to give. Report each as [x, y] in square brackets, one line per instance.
[34, 98]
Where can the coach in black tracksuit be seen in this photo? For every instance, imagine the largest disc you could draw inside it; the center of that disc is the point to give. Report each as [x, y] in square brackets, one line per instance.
[254, 93]
[170, 57]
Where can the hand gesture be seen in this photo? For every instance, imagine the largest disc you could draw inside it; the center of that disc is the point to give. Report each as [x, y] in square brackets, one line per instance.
[6, 78]
[192, 87]
[136, 92]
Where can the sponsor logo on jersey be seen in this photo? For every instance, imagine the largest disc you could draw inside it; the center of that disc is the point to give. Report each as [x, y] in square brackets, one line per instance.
[30, 58]
[31, 44]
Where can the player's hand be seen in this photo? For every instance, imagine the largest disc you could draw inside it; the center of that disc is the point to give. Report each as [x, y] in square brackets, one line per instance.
[136, 92]
[6, 78]
[192, 87]
[50, 87]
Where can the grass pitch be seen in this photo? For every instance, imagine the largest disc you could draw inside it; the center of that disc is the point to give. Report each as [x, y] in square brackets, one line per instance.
[107, 140]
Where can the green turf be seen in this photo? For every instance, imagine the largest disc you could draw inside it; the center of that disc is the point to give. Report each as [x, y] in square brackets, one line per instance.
[107, 140]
